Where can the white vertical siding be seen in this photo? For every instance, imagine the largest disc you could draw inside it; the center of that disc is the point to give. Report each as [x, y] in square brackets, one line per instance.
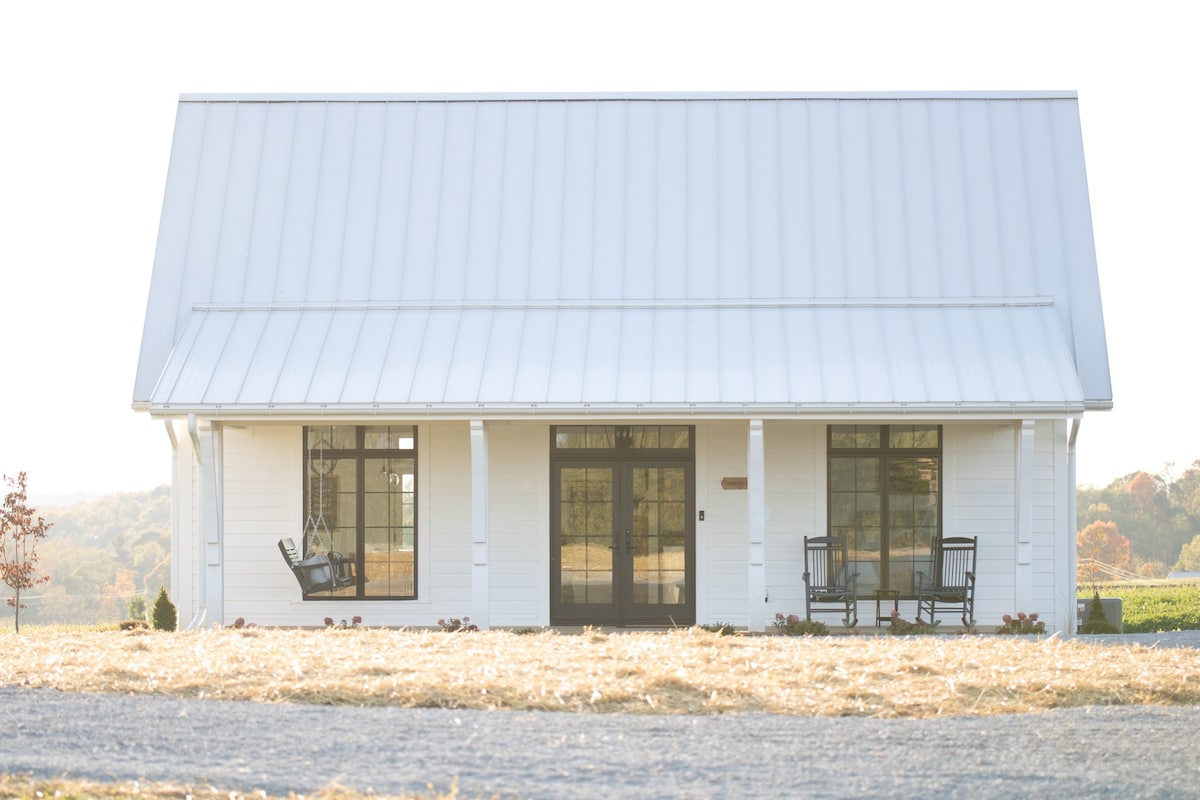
[793, 491]
[725, 541]
[445, 518]
[519, 527]
[263, 502]
[979, 500]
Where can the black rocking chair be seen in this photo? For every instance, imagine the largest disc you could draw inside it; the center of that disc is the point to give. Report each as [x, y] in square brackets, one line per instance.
[952, 584]
[828, 580]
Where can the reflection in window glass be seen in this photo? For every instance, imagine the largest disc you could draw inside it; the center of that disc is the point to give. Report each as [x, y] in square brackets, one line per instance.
[364, 491]
[885, 499]
[388, 437]
[622, 437]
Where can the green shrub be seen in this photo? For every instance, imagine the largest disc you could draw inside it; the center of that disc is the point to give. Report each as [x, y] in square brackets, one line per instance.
[1096, 622]
[1150, 608]
[163, 615]
[792, 625]
[719, 628]
[137, 607]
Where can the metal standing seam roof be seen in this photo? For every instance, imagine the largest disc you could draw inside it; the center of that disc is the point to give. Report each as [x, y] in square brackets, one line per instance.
[707, 253]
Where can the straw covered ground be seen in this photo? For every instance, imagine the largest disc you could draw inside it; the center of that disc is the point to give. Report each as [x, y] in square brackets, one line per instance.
[686, 671]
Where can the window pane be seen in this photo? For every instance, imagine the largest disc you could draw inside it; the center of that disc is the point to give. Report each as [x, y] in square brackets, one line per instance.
[675, 436]
[600, 436]
[332, 437]
[841, 436]
[909, 436]
[389, 437]
[569, 437]
[868, 436]
[866, 478]
[888, 549]
[368, 504]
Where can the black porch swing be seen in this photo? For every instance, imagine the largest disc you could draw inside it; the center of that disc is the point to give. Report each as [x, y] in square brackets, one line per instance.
[325, 569]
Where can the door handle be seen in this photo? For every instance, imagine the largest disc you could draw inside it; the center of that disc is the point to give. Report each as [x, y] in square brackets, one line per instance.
[629, 539]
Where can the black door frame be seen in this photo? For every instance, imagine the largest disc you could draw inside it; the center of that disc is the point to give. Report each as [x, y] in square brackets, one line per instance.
[622, 610]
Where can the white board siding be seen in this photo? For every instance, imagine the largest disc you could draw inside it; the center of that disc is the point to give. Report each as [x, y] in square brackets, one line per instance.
[792, 493]
[445, 519]
[519, 523]
[724, 583]
[980, 500]
[263, 502]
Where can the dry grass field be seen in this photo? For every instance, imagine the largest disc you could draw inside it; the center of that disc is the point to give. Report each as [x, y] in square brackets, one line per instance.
[686, 671]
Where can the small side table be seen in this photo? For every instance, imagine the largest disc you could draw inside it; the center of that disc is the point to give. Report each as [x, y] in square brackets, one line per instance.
[880, 595]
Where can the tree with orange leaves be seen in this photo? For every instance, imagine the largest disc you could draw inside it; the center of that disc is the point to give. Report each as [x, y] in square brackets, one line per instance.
[1100, 543]
[21, 528]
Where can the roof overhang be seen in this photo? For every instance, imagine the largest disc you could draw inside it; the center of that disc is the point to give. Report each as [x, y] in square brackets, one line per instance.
[662, 359]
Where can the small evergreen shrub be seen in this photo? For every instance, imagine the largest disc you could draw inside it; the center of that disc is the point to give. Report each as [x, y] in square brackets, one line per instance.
[1022, 624]
[1150, 608]
[137, 607]
[792, 625]
[719, 628]
[163, 614]
[1096, 622]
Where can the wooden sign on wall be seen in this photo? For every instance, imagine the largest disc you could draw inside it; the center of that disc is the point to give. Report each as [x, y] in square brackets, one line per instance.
[734, 483]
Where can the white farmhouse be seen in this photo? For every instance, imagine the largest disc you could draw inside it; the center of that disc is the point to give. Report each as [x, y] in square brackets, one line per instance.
[608, 359]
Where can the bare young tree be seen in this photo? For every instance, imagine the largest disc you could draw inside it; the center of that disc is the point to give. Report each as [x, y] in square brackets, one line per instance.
[21, 528]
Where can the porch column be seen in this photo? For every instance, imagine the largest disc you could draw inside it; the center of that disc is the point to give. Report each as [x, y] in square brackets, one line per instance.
[480, 589]
[1066, 602]
[1023, 514]
[207, 442]
[756, 523]
[183, 537]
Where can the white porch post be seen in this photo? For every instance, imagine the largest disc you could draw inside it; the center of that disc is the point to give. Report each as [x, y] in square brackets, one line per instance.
[480, 589]
[183, 546]
[1023, 514]
[756, 523]
[1066, 606]
[207, 441]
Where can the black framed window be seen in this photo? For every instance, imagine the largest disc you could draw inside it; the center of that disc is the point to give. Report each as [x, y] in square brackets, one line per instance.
[671, 438]
[360, 506]
[885, 498]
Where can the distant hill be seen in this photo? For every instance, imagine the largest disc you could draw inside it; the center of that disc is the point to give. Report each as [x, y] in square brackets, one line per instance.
[100, 554]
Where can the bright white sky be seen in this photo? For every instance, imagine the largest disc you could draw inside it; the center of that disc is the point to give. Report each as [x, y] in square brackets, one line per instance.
[89, 98]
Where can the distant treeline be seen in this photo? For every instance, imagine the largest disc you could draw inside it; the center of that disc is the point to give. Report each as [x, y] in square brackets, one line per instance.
[1158, 514]
[99, 555]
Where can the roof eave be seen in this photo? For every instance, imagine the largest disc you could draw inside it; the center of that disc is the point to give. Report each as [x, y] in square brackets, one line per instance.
[511, 411]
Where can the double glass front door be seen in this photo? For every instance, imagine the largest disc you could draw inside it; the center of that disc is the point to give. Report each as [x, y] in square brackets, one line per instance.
[622, 542]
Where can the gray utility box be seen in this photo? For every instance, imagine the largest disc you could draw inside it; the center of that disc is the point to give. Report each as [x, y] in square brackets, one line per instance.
[1111, 606]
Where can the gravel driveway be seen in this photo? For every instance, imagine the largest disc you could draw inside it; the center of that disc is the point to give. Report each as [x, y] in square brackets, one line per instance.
[1126, 752]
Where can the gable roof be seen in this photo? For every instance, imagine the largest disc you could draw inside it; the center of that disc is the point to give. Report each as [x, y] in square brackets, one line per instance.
[709, 253]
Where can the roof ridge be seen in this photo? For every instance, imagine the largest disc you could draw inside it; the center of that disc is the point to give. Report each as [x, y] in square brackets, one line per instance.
[503, 97]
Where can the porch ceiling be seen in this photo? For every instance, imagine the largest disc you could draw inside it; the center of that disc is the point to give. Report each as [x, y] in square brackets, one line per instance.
[625, 357]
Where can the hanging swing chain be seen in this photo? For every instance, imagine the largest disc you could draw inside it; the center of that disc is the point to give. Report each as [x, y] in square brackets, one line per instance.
[313, 527]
